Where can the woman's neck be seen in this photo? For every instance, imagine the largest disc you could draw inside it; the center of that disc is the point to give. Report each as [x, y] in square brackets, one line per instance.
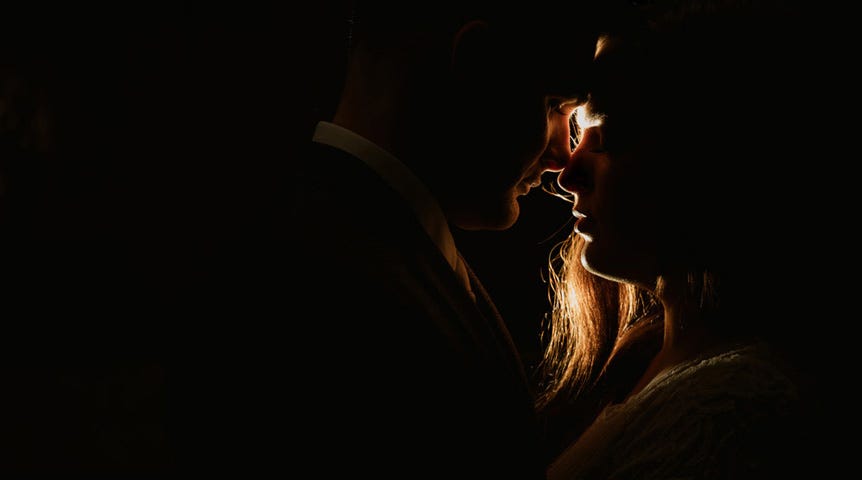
[687, 335]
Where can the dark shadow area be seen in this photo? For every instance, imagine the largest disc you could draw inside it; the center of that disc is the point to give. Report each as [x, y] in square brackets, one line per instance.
[143, 149]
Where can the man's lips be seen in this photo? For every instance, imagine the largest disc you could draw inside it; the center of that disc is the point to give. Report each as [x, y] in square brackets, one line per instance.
[526, 185]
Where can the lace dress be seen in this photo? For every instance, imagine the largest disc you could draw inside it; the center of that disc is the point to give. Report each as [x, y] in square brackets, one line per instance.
[722, 416]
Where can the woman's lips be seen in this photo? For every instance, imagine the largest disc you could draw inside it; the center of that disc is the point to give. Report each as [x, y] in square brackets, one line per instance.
[582, 225]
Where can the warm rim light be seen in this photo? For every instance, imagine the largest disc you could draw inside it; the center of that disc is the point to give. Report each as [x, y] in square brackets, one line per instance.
[585, 119]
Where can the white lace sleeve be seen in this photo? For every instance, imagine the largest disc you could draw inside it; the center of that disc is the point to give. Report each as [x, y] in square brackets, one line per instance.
[715, 418]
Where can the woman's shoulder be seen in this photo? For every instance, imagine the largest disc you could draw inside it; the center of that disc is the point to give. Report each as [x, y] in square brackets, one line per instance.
[728, 390]
[726, 414]
[726, 410]
[747, 371]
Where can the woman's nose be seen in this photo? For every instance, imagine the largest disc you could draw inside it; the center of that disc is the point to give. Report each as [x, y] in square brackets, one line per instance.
[576, 176]
[555, 160]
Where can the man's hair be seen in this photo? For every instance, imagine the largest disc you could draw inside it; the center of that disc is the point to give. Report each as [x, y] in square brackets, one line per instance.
[387, 22]
[537, 39]
[382, 21]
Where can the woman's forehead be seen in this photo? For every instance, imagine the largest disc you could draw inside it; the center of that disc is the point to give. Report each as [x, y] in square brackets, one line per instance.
[587, 117]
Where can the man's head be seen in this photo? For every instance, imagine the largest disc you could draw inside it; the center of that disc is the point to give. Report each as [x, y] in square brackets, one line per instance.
[467, 93]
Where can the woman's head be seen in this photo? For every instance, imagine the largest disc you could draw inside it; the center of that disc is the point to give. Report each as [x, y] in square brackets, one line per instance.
[684, 176]
[693, 119]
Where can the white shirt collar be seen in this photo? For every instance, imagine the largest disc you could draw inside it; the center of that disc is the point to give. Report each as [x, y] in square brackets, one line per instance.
[400, 178]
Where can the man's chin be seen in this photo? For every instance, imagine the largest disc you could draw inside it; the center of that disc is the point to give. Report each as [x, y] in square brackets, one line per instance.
[506, 217]
[492, 219]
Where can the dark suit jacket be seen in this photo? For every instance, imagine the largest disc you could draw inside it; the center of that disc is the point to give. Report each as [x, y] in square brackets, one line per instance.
[407, 376]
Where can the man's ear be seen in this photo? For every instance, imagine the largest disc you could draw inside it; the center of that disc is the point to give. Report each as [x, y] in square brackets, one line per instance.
[471, 51]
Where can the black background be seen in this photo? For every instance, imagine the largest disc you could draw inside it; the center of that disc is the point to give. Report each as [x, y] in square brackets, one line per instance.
[139, 142]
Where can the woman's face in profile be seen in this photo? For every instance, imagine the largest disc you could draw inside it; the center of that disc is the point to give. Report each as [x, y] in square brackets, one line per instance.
[625, 192]
[617, 211]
